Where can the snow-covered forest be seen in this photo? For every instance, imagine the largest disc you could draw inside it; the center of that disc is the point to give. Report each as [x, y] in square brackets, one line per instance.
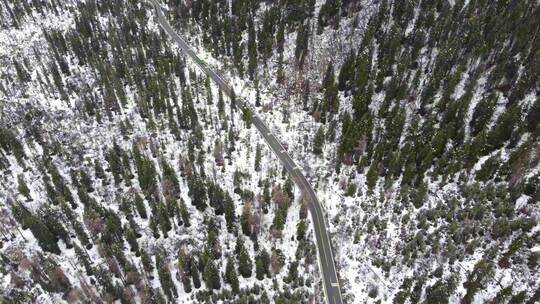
[127, 176]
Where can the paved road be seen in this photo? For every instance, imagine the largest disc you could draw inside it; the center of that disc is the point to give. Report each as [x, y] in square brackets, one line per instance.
[326, 259]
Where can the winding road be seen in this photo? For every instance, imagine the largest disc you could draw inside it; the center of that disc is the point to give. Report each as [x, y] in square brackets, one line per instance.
[327, 267]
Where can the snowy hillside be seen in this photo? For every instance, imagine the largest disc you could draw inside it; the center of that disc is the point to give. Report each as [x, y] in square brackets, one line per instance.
[418, 124]
[127, 177]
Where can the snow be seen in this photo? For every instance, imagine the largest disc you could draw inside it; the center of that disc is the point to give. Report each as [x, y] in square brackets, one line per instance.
[348, 217]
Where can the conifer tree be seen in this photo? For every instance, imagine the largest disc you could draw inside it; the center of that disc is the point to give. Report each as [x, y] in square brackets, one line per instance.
[257, 94]
[246, 116]
[195, 273]
[258, 158]
[221, 104]
[252, 48]
[292, 275]
[46, 239]
[372, 176]
[197, 192]
[244, 219]
[165, 278]
[211, 275]
[231, 277]
[139, 205]
[301, 230]
[244, 260]
[23, 188]
[184, 213]
[262, 263]
[318, 141]
[184, 264]
[84, 259]
[302, 38]
[230, 213]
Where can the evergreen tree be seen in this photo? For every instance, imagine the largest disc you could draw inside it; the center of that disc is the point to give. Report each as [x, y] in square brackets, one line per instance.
[165, 278]
[23, 189]
[230, 275]
[318, 141]
[211, 275]
[46, 239]
[22, 73]
[252, 48]
[184, 213]
[139, 205]
[258, 158]
[195, 273]
[244, 260]
[262, 262]
[221, 104]
[84, 258]
[301, 228]
[197, 192]
[302, 38]
[372, 176]
[246, 116]
[245, 218]
[292, 275]
[257, 94]
[230, 213]
[330, 103]
[184, 271]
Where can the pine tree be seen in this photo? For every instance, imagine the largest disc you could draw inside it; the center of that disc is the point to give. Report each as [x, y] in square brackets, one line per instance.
[195, 273]
[246, 116]
[131, 238]
[165, 278]
[301, 228]
[259, 268]
[262, 263]
[84, 259]
[420, 195]
[139, 205]
[257, 94]
[211, 275]
[292, 276]
[184, 213]
[46, 239]
[258, 158]
[22, 73]
[252, 49]
[279, 218]
[164, 221]
[372, 176]
[280, 74]
[100, 173]
[230, 213]
[318, 141]
[231, 277]
[208, 90]
[302, 38]
[245, 218]
[331, 101]
[245, 264]
[346, 73]
[197, 192]
[213, 246]
[184, 265]
[221, 104]
[23, 189]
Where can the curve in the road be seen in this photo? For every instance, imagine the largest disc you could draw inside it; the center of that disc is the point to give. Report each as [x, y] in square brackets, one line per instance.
[331, 284]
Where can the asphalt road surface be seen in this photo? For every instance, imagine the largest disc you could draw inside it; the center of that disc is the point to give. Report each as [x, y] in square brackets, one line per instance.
[331, 286]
